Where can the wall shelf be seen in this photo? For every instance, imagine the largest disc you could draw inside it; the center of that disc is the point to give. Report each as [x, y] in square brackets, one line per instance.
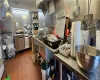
[35, 22]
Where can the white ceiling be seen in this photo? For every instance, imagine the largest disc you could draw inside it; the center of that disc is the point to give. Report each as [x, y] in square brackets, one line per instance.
[31, 3]
[23, 4]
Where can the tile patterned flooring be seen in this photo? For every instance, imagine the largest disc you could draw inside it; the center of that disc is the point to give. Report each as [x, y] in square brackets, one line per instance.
[23, 68]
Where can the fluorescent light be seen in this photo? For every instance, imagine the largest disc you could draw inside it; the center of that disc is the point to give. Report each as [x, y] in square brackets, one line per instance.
[24, 17]
[18, 10]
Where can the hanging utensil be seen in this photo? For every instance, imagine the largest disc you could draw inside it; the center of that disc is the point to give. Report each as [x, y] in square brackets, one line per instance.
[88, 18]
[76, 10]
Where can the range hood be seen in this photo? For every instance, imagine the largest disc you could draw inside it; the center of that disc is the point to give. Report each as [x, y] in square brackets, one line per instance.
[43, 5]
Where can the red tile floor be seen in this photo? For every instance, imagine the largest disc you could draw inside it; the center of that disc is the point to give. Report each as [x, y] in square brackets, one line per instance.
[23, 68]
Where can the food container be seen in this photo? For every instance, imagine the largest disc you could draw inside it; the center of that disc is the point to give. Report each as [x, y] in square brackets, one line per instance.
[65, 49]
[53, 45]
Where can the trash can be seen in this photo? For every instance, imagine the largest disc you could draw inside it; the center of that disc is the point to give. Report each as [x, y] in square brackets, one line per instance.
[43, 70]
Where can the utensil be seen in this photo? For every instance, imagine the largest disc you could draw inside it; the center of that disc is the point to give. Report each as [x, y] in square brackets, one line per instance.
[88, 18]
[97, 25]
[76, 11]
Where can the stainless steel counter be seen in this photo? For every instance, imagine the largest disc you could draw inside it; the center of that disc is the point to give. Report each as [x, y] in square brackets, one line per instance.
[72, 65]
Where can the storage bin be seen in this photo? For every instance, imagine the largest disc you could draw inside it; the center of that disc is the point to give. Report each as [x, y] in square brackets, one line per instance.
[53, 45]
[43, 70]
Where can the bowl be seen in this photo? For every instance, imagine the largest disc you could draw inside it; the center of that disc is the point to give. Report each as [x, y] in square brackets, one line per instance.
[87, 62]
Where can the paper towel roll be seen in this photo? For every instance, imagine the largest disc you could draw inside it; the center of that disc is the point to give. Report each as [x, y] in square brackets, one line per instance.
[75, 36]
[76, 32]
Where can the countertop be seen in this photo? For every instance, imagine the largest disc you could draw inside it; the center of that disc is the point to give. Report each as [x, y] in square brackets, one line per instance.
[22, 35]
[53, 50]
[72, 65]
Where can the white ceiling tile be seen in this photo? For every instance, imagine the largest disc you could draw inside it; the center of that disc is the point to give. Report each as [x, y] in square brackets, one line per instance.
[25, 2]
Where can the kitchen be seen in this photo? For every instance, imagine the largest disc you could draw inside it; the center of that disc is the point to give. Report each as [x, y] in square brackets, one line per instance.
[59, 38]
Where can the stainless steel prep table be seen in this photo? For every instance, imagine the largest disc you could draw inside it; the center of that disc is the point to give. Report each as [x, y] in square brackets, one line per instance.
[45, 51]
[72, 65]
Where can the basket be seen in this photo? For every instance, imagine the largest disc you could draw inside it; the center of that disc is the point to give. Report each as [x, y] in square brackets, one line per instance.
[53, 45]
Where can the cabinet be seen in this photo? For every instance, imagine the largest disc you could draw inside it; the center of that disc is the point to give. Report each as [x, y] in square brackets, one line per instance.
[19, 42]
[22, 42]
[35, 22]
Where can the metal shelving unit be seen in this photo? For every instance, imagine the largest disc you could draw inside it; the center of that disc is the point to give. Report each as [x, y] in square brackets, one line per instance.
[35, 22]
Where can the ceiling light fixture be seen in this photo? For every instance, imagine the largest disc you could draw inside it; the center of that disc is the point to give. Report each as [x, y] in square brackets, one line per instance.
[18, 10]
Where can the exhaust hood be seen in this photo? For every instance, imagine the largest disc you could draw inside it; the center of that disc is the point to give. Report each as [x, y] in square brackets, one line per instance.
[43, 5]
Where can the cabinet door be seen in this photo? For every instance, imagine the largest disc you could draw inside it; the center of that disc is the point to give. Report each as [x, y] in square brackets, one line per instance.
[27, 44]
[21, 43]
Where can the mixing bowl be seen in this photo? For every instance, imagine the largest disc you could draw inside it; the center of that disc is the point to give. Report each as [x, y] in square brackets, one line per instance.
[87, 62]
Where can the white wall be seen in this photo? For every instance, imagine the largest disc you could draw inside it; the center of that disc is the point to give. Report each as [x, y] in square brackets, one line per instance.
[95, 8]
[8, 22]
[60, 8]
[41, 18]
[65, 8]
[21, 19]
[68, 5]
[18, 17]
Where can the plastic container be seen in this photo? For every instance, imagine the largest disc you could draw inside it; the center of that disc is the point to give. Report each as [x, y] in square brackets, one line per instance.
[43, 70]
[43, 74]
[53, 45]
[65, 49]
